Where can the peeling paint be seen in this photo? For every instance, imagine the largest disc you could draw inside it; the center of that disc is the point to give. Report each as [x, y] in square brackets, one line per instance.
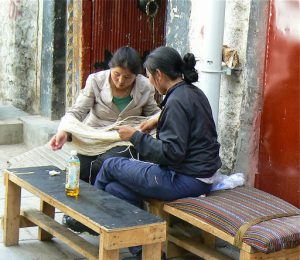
[177, 24]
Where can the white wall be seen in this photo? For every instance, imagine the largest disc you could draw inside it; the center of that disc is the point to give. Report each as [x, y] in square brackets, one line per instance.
[19, 53]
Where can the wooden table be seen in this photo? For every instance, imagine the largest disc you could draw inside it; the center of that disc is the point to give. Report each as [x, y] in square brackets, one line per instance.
[119, 223]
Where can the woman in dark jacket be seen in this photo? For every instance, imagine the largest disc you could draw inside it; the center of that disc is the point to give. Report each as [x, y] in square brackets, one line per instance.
[181, 161]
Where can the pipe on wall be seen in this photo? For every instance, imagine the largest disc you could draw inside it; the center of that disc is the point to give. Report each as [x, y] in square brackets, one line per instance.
[212, 53]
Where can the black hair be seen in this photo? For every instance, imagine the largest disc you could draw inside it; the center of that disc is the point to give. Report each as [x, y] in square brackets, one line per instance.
[127, 58]
[169, 61]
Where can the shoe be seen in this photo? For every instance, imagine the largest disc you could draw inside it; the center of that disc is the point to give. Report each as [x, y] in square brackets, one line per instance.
[138, 256]
[77, 226]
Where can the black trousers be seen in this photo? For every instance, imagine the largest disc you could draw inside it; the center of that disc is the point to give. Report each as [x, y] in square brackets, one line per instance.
[91, 165]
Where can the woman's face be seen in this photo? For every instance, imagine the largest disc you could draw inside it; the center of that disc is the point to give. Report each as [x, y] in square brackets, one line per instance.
[122, 78]
[153, 79]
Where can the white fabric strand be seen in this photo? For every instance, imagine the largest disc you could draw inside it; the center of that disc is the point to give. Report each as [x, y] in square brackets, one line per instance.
[92, 141]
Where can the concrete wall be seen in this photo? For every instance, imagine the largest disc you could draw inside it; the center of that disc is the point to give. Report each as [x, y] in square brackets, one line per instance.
[248, 136]
[19, 53]
[233, 87]
[239, 94]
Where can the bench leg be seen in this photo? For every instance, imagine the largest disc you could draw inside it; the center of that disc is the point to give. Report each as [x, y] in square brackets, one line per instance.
[48, 210]
[11, 213]
[245, 255]
[152, 251]
[172, 250]
[209, 239]
[108, 254]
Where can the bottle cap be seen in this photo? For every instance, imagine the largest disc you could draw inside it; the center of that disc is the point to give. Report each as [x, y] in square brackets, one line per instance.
[73, 152]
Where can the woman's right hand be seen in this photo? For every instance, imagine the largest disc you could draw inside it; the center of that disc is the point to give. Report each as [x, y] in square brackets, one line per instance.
[58, 140]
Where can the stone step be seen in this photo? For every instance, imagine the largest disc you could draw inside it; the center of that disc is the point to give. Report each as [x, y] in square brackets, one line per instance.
[11, 132]
[34, 131]
[38, 130]
[8, 112]
[11, 127]
[17, 126]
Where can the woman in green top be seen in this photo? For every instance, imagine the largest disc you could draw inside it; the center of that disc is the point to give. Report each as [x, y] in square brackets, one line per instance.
[109, 96]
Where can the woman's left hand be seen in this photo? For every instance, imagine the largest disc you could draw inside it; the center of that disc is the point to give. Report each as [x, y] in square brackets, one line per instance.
[148, 125]
[126, 132]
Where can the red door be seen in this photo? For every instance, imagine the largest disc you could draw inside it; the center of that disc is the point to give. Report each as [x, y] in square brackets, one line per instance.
[279, 159]
[110, 24]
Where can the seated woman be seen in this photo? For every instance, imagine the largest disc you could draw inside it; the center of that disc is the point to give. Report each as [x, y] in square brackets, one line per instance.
[109, 96]
[181, 161]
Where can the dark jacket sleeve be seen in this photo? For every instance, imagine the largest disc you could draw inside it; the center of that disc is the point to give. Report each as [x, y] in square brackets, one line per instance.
[173, 134]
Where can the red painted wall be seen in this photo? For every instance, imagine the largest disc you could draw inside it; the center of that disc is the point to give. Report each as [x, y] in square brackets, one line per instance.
[110, 24]
[279, 148]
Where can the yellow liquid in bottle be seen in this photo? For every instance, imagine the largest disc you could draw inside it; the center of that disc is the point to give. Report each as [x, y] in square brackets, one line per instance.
[72, 192]
[72, 179]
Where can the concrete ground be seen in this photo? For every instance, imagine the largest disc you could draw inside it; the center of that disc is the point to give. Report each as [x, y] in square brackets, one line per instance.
[30, 248]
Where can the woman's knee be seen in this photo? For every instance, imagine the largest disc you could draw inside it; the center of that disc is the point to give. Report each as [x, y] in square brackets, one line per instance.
[111, 188]
[114, 163]
[118, 190]
[107, 163]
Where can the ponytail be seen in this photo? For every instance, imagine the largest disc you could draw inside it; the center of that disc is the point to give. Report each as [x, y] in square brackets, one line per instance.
[169, 61]
[190, 74]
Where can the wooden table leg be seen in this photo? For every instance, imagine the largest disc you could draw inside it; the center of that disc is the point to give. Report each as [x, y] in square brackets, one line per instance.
[152, 251]
[48, 210]
[11, 212]
[108, 254]
[105, 254]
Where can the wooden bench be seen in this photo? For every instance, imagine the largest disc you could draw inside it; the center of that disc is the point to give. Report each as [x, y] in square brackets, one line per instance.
[119, 223]
[242, 217]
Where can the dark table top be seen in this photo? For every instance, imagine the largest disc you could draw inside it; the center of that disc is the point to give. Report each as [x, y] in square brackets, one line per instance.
[101, 207]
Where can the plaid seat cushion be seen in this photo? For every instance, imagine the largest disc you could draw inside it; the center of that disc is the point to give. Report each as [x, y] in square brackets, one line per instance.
[228, 210]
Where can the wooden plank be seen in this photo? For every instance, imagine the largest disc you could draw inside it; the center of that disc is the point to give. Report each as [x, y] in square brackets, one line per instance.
[196, 248]
[204, 226]
[24, 222]
[11, 212]
[139, 236]
[285, 254]
[152, 251]
[48, 210]
[51, 226]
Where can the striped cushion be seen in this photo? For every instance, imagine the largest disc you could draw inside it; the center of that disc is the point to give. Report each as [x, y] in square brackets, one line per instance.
[228, 210]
